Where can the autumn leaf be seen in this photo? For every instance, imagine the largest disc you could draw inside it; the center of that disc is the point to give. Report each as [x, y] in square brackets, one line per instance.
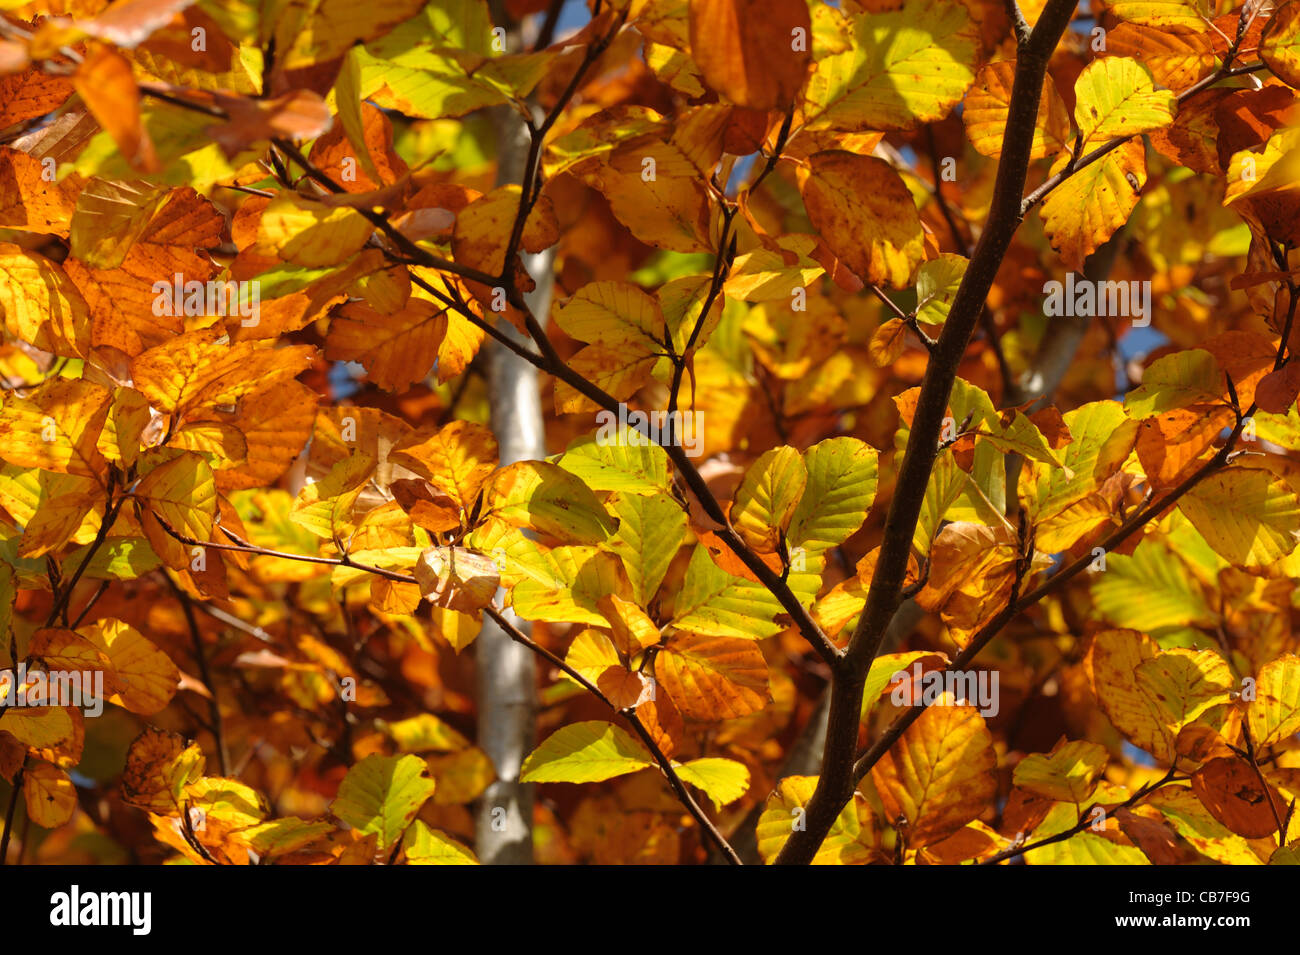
[767, 497]
[751, 52]
[104, 81]
[1087, 210]
[51, 798]
[457, 579]
[865, 215]
[159, 765]
[1116, 96]
[904, 66]
[147, 677]
[380, 795]
[984, 113]
[712, 678]
[585, 752]
[940, 776]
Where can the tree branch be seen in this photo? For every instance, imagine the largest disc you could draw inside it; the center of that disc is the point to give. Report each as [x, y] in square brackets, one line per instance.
[200, 658]
[836, 783]
[1083, 823]
[873, 754]
[1039, 194]
[665, 764]
[515, 634]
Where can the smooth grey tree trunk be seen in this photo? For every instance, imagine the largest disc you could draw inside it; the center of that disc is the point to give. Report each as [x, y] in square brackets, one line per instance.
[507, 672]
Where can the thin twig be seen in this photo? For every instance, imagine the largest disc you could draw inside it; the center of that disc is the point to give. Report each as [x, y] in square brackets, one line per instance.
[665, 764]
[196, 638]
[1012, 851]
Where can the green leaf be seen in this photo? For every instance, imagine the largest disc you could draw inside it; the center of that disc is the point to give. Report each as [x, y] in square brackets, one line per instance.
[587, 752]
[1021, 436]
[937, 282]
[650, 531]
[382, 794]
[715, 603]
[1149, 591]
[566, 583]
[546, 498]
[724, 780]
[628, 462]
[767, 497]
[842, 478]
[882, 673]
[1085, 848]
[1102, 437]
[1116, 96]
[1184, 378]
[424, 846]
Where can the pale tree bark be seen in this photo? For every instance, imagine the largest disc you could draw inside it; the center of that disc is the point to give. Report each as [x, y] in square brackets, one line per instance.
[506, 680]
[506, 670]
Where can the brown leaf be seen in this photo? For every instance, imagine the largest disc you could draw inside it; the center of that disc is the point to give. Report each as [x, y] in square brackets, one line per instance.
[1229, 788]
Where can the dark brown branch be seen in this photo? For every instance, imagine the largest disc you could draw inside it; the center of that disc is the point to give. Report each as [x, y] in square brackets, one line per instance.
[1019, 25]
[1252, 756]
[873, 754]
[14, 796]
[835, 784]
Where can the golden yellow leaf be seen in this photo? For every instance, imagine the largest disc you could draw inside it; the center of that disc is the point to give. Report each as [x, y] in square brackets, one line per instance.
[939, 776]
[51, 798]
[40, 305]
[1250, 516]
[38, 726]
[1151, 695]
[30, 199]
[456, 459]
[1089, 207]
[713, 678]
[310, 233]
[147, 676]
[56, 428]
[397, 350]
[985, 113]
